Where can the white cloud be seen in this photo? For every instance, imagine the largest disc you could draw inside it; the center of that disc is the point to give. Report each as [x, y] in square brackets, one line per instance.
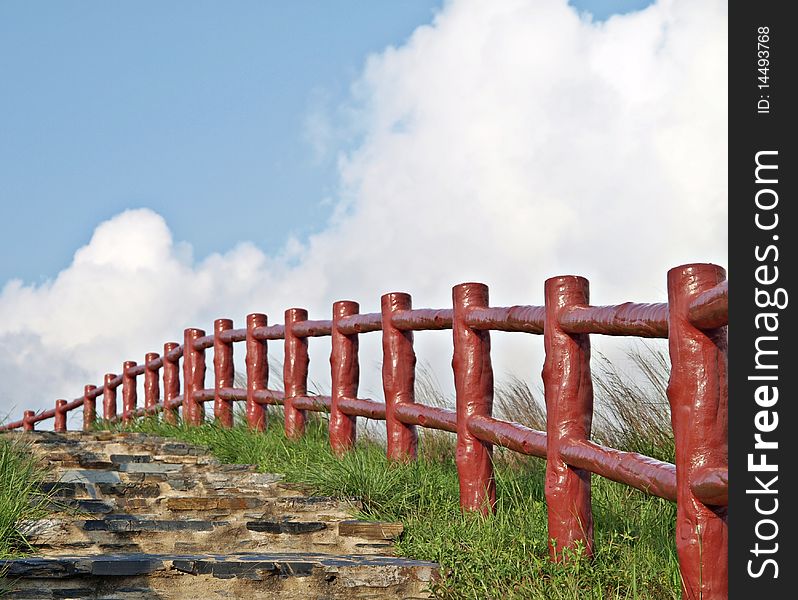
[505, 143]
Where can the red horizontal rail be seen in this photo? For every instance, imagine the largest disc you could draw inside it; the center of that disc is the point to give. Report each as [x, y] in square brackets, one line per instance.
[136, 371]
[509, 435]
[635, 470]
[427, 416]
[313, 403]
[357, 407]
[77, 402]
[203, 342]
[422, 319]
[710, 309]
[641, 320]
[271, 332]
[312, 328]
[228, 336]
[528, 319]
[360, 323]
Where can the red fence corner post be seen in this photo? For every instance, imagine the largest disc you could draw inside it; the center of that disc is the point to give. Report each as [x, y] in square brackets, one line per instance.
[398, 378]
[27, 420]
[60, 419]
[257, 362]
[193, 377]
[295, 373]
[171, 382]
[152, 391]
[473, 383]
[89, 407]
[109, 397]
[698, 393]
[568, 391]
[223, 373]
[129, 395]
[345, 378]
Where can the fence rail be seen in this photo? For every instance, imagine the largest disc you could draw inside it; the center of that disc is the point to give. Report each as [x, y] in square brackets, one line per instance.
[694, 320]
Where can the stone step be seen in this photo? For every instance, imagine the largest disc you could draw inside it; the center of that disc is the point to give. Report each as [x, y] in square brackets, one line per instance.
[136, 516]
[289, 576]
[149, 533]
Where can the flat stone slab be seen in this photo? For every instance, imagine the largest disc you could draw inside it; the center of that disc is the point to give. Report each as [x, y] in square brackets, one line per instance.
[89, 476]
[125, 523]
[230, 565]
[287, 527]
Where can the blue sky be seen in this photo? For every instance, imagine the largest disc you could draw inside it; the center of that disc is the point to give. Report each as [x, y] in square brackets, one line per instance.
[199, 110]
[310, 152]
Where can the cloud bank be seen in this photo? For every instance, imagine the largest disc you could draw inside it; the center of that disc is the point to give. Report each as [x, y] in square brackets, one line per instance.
[505, 142]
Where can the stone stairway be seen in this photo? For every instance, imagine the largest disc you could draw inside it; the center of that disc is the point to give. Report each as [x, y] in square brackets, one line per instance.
[136, 516]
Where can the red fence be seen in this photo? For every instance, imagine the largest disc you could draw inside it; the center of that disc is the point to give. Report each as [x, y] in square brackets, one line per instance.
[694, 320]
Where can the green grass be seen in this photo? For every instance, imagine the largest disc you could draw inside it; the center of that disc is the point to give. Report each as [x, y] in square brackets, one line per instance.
[20, 495]
[504, 555]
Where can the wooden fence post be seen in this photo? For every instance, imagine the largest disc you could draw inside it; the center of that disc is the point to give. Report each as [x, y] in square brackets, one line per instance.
[257, 362]
[568, 390]
[27, 420]
[698, 394]
[89, 407]
[109, 397]
[345, 378]
[295, 373]
[152, 389]
[60, 420]
[473, 382]
[171, 382]
[398, 378]
[193, 377]
[129, 395]
[223, 373]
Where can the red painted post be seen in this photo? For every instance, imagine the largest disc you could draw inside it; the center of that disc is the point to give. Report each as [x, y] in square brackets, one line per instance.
[59, 421]
[295, 373]
[89, 407]
[27, 420]
[345, 379]
[257, 362]
[152, 390]
[129, 395]
[223, 373]
[473, 383]
[171, 382]
[193, 377]
[109, 397]
[698, 394]
[568, 390]
[398, 378]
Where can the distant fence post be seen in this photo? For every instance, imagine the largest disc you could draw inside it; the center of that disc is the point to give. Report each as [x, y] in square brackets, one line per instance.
[398, 378]
[89, 407]
[152, 390]
[27, 420]
[257, 362]
[60, 420]
[473, 382]
[193, 377]
[568, 391]
[109, 397]
[698, 395]
[171, 382]
[345, 378]
[295, 373]
[223, 372]
[129, 395]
